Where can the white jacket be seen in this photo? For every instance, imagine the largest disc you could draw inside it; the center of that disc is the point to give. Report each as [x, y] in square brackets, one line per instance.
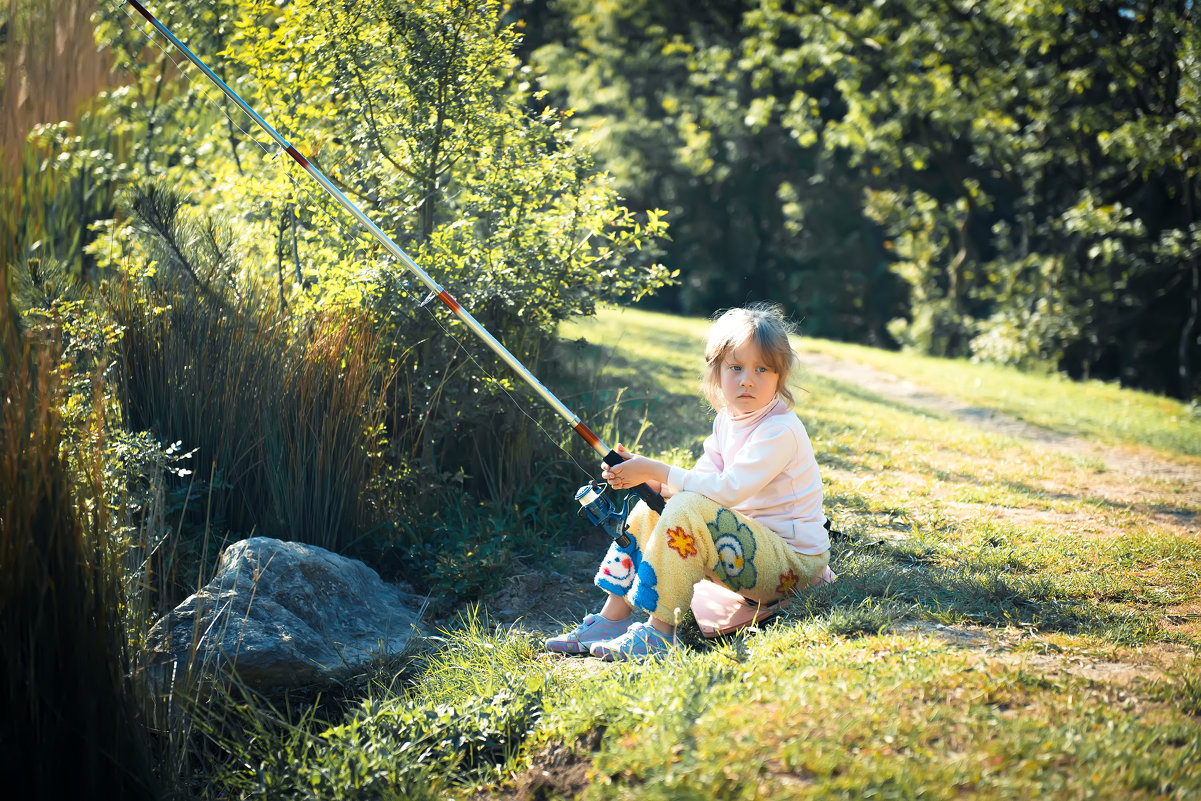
[763, 466]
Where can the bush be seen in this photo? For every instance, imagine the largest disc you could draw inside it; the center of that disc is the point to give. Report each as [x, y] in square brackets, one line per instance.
[66, 180]
[333, 408]
[284, 413]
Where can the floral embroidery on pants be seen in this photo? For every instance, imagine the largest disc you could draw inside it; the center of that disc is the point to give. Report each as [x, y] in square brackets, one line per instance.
[681, 542]
[735, 544]
[788, 582]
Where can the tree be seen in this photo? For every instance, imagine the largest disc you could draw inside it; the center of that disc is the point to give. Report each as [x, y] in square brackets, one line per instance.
[756, 211]
[421, 114]
[1015, 154]
[1026, 171]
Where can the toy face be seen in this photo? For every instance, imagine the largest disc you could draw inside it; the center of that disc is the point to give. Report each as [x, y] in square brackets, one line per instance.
[729, 551]
[735, 545]
[619, 570]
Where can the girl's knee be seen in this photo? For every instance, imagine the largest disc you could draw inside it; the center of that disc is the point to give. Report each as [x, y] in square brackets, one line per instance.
[683, 504]
[639, 514]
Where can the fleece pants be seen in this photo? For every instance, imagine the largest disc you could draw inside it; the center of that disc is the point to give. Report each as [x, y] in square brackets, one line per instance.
[696, 538]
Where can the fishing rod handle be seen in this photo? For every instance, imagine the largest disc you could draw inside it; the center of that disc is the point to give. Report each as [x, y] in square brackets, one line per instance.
[653, 499]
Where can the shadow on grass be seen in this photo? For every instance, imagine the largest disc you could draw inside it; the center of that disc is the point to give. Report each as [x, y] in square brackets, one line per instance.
[941, 407]
[629, 395]
[883, 584]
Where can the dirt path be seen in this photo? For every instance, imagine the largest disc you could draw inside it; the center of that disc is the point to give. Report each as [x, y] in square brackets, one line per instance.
[1135, 463]
[1137, 479]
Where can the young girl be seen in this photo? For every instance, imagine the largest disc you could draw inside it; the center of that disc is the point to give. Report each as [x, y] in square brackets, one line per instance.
[748, 514]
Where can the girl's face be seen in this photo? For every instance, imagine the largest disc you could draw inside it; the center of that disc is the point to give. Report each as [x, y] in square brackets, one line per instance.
[747, 383]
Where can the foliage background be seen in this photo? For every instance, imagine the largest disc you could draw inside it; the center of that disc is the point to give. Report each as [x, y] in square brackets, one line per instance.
[238, 314]
[197, 346]
[1011, 182]
[962, 179]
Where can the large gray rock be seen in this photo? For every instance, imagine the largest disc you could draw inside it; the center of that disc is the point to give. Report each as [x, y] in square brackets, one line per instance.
[282, 614]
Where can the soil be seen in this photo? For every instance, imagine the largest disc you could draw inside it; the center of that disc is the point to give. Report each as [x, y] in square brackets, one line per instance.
[1131, 463]
[560, 770]
[548, 597]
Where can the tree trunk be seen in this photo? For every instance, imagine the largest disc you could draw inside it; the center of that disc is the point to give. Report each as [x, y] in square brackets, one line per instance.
[1186, 335]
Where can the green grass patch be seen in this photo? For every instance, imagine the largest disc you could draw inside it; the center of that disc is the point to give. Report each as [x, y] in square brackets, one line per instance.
[795, 711]
[1098, 410]
[977, 573]
[891, 717]
[1102, 411]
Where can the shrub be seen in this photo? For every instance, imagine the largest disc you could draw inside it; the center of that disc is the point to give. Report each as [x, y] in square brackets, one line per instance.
[284, 412]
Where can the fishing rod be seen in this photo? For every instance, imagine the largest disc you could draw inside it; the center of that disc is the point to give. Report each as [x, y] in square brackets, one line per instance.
[590, 497]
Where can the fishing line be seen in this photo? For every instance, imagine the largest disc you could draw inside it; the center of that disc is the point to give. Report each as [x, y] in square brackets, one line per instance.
[317, 203]
[505, 390]
[321, 207]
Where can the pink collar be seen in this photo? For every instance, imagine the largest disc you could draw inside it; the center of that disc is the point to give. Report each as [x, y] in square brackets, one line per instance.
[750, 418]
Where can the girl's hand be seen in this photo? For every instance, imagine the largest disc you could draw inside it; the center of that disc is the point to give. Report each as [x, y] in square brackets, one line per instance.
[635, 470]
[607, 473]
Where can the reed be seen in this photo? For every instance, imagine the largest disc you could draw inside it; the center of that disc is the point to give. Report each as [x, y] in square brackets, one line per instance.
[69, 721]
[284, 424]
[284, 413]
[52, 67]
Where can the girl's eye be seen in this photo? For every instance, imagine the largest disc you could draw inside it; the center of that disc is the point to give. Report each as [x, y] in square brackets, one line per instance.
[736, 367]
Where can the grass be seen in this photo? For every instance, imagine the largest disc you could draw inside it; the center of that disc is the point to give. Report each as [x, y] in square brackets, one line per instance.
[887, 717]
[1010, 621]
[58, 177]
[1103, 411]
[282, 424]
[65, 671]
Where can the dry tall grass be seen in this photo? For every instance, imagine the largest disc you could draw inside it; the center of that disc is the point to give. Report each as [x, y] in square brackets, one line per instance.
[67, 709]
[51, 67]
[285, 421]
[284, 414]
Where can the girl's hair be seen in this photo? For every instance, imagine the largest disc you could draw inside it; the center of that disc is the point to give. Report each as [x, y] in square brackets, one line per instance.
[760, 323]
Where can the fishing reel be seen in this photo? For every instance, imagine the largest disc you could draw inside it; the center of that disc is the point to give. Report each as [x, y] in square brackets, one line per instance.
[601, 512]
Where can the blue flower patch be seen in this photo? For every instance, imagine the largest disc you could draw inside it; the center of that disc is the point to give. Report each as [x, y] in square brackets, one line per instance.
[645, 595]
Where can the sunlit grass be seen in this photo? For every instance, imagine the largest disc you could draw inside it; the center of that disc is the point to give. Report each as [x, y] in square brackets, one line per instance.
[1101, 410]
[892, 716]
[999, 629]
